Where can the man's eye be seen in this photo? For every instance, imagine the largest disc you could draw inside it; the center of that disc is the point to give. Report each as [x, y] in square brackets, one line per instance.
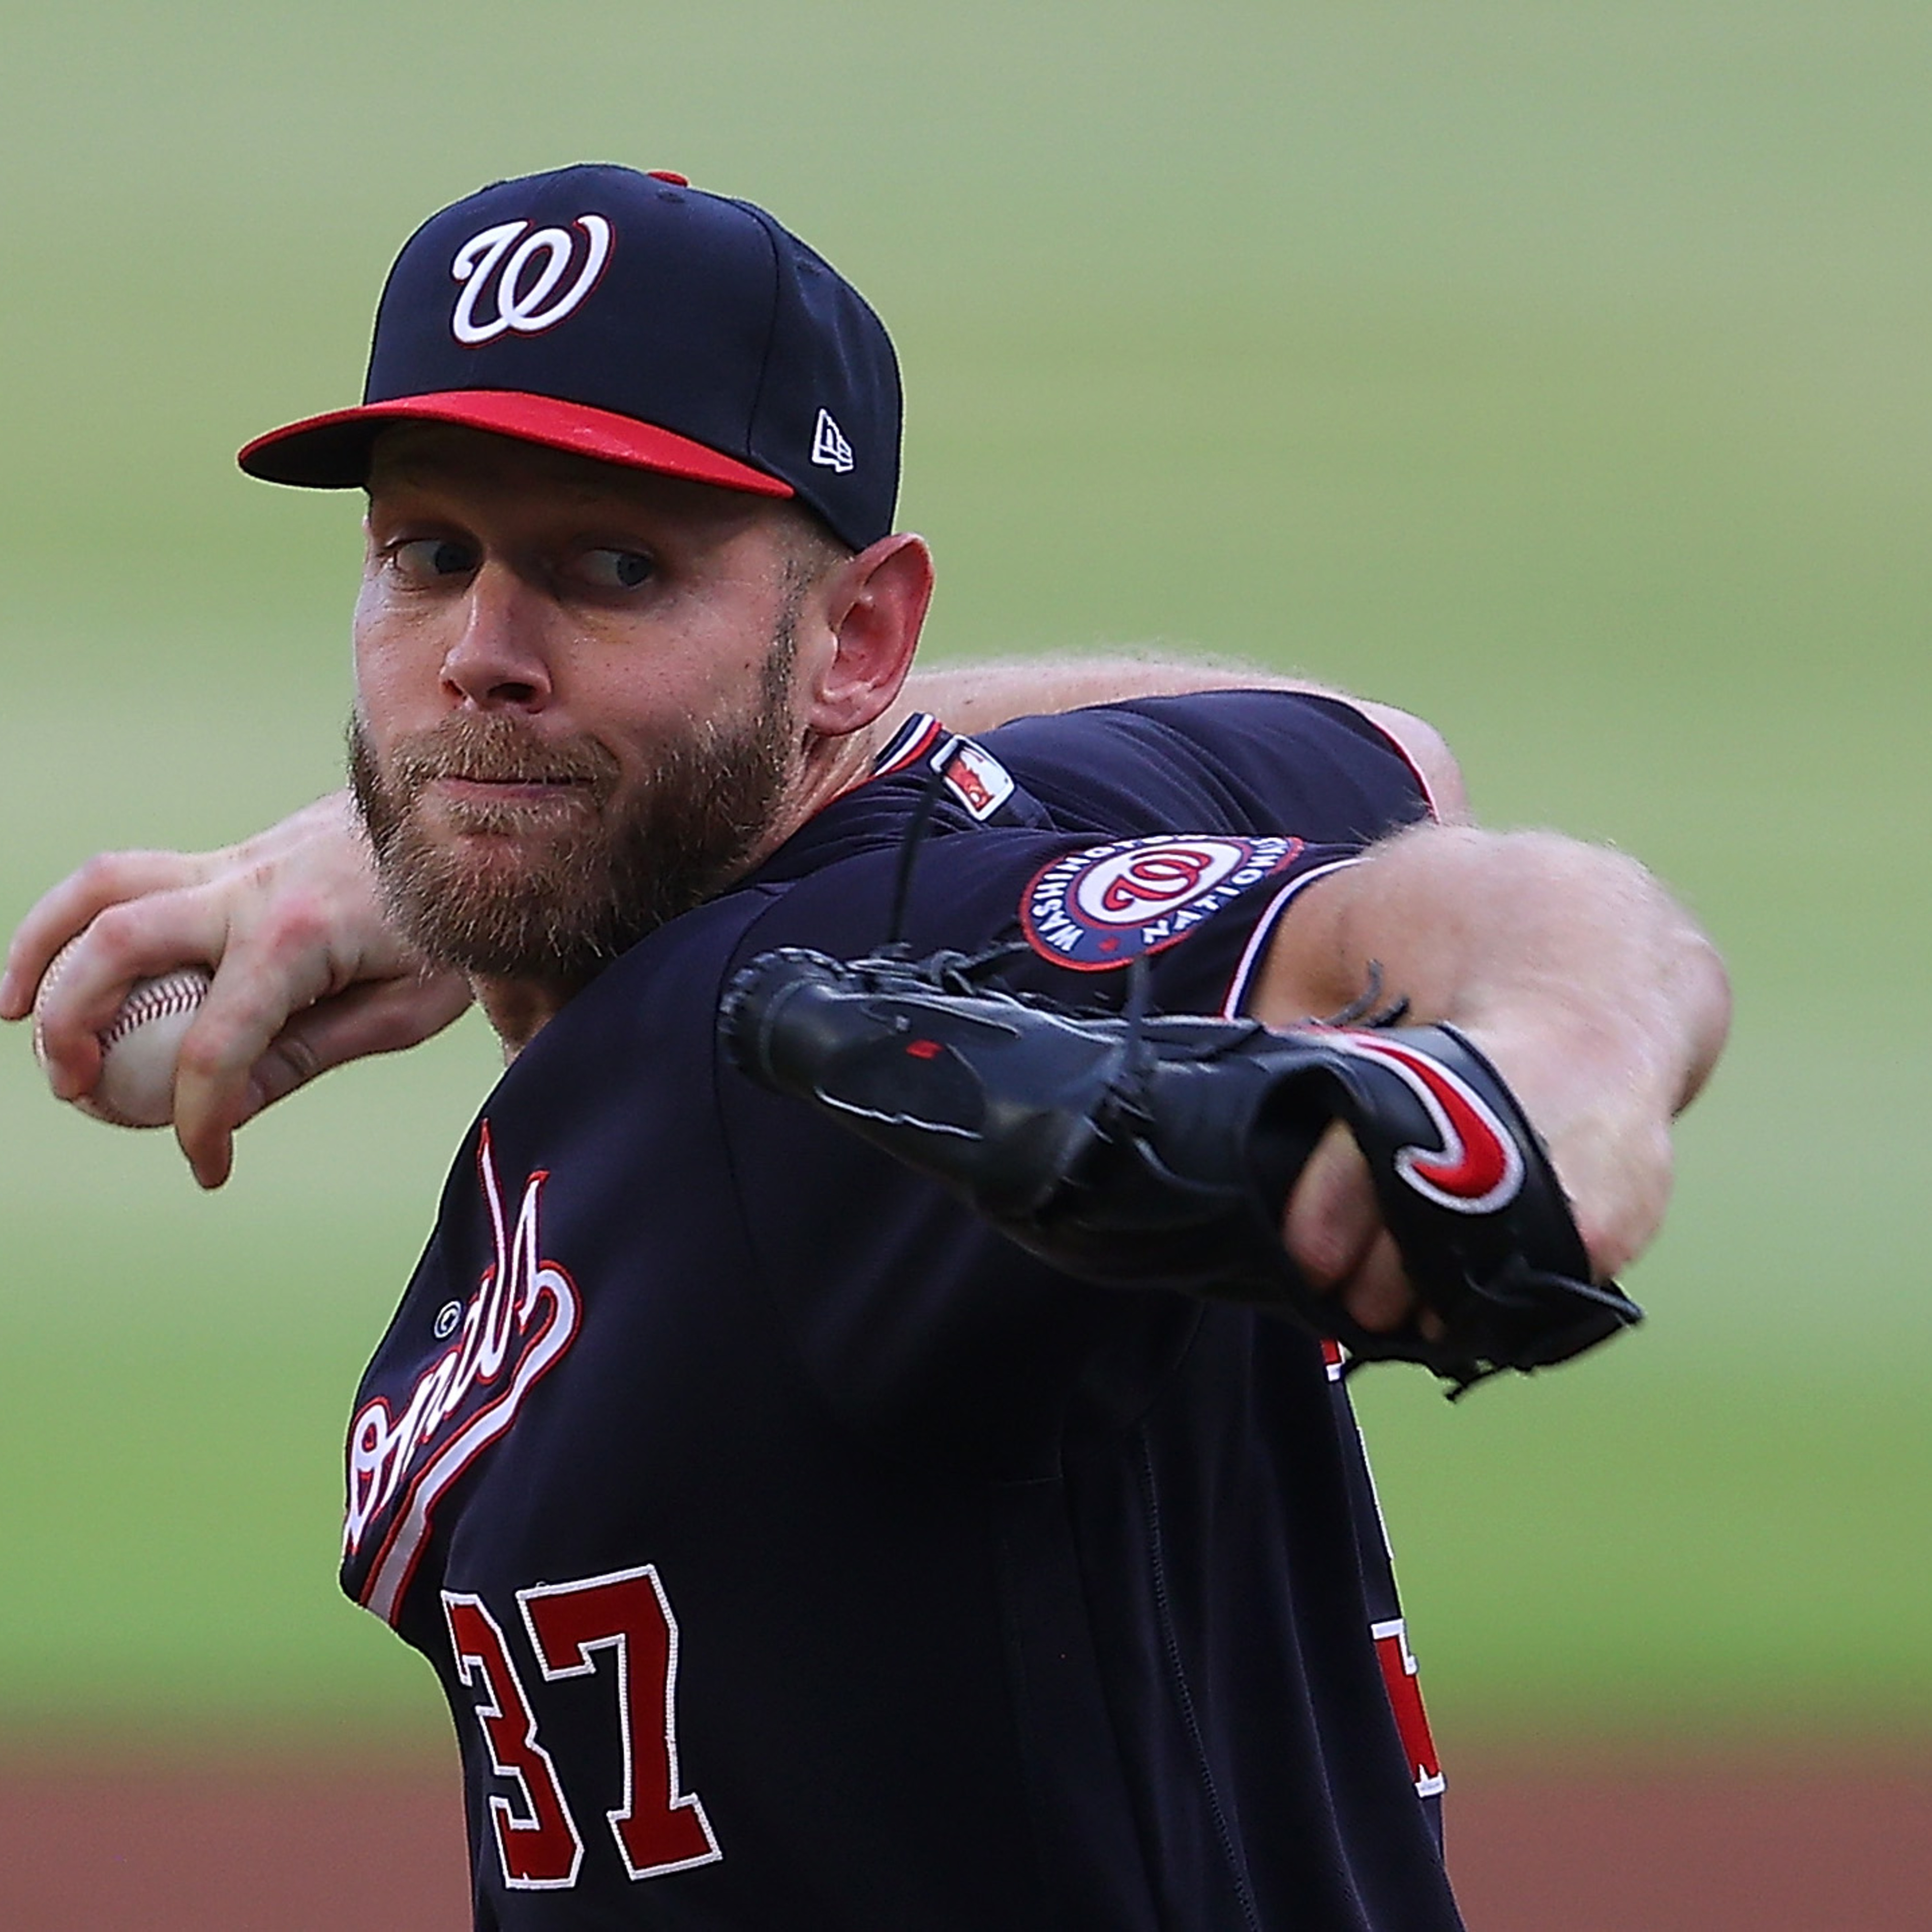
[432, 560]
[617, 569]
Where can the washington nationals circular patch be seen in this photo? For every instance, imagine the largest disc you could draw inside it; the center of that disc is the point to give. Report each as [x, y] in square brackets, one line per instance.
[1098, 909]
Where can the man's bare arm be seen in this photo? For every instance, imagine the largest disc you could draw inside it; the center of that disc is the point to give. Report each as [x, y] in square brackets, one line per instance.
[1593, 992]
[308, 975]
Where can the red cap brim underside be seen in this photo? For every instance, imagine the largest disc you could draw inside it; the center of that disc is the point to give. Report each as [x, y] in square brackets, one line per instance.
[332, 452]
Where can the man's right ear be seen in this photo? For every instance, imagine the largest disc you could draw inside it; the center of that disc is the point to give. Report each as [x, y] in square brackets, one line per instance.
[876, 606]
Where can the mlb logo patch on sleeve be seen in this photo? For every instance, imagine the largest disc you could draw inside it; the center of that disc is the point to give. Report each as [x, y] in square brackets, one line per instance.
[972, 776]
[1096, 909]
[975, 777]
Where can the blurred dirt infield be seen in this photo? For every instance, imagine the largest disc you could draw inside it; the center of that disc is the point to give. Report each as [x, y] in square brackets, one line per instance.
[1634, 1845]
[1776, 1843]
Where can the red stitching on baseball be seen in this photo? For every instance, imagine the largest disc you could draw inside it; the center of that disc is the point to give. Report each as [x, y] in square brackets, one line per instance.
[180, 992]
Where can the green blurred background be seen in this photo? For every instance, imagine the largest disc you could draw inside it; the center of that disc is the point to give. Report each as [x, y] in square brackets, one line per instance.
[1562, 372]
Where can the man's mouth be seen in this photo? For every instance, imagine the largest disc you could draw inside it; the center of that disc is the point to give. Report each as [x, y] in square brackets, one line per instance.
[493, 775]
[514, 780]
[473, 790]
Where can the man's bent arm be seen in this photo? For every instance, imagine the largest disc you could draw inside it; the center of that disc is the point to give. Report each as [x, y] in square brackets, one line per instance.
[1594, 993]
[308, 973]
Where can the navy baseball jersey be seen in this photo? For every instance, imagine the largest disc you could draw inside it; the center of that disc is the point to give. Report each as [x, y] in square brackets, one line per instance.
[795, 1552]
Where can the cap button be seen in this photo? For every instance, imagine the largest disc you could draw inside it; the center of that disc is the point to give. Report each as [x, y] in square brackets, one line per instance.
[669, 175]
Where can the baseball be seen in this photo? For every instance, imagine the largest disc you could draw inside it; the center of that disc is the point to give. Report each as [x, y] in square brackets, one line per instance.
[138, 1047]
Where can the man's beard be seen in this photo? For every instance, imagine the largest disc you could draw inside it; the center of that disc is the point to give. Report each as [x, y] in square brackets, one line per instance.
[552, 891]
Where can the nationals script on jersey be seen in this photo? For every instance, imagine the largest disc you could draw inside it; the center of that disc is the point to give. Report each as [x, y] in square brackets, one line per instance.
[519, 1319]
[793, 1551]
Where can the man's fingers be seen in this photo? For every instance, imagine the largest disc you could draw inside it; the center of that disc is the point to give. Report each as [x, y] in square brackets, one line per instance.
[77, 901]
[232, 1066]
[1378, 1295]
[1333, 1229]
[260, 987]
[211, 1157]
[307, 974]
[1332, 1217]
[382, 1016]
[129, 940]
[1607, 1133]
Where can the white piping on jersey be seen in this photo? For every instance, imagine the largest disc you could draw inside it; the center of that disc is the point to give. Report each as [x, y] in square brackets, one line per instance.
[1236, 1001]
[916, 737]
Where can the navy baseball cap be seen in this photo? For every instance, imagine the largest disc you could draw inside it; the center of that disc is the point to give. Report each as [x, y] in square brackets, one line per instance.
[633, 318]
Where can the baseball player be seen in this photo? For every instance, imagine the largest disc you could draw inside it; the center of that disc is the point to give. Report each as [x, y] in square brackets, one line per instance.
[794, 1551]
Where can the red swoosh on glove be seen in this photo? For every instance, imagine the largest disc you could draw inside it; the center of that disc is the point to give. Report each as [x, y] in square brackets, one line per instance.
[1477, 1167]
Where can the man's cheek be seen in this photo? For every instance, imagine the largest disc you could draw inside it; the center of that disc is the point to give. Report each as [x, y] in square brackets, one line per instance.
[398, 667]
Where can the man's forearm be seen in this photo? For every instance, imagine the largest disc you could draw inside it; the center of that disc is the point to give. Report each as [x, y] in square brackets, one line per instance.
[1597, 996]
[1483, 928]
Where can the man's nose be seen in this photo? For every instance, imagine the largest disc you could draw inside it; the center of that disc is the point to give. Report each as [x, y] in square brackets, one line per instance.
[496, 660]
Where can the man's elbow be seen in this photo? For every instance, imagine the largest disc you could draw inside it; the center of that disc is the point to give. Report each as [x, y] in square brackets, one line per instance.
[1428, 755]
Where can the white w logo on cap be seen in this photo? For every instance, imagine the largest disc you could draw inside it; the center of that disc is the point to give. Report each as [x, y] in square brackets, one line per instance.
[520, 299]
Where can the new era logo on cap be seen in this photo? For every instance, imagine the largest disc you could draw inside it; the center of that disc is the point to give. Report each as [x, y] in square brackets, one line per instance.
[829, 446]
[633, 319]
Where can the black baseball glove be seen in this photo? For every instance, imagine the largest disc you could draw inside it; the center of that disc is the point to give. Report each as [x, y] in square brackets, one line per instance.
[1154, 1151]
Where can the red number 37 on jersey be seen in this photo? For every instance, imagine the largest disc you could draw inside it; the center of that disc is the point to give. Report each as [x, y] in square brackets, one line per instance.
[623, 1621]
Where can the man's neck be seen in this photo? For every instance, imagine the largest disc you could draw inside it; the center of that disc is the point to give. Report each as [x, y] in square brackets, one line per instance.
[520, 1008]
